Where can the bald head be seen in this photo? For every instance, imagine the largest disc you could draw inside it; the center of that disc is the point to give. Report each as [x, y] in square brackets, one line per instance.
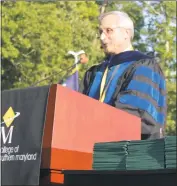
[116, 32]
[120, 19]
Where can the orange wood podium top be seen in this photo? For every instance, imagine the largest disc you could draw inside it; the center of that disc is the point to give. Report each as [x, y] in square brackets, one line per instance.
[74, 122]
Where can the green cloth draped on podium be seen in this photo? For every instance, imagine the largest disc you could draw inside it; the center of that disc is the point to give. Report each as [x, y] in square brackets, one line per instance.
[170, 152]
[145, 155]
[135, 154]
[22, 123]
[110, 156]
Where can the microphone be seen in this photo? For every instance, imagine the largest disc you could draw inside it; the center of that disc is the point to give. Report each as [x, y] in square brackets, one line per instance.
[83, 59]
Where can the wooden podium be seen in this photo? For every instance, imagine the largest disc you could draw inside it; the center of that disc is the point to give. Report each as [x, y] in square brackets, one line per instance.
[74, 122]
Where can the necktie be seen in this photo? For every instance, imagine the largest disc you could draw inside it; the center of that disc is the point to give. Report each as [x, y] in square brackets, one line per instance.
[103, 82]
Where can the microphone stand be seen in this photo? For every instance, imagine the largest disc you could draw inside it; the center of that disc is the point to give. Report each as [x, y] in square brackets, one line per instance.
[76, 62]
[57, 73]
[67, 73]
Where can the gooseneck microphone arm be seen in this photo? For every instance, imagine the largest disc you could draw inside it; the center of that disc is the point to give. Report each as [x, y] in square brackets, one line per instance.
[76, 62]
[54, 74]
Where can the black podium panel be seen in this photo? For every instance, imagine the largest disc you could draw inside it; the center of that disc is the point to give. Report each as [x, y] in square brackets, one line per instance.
[163, 177]
[22, 124]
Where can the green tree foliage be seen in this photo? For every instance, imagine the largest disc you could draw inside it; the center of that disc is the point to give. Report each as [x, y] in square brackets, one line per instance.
[37, 35]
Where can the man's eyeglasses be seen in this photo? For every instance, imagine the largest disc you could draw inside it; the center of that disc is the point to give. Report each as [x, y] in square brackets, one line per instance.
[108, 31]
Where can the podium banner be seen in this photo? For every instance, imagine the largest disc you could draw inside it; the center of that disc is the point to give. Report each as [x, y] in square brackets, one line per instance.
[22, 124]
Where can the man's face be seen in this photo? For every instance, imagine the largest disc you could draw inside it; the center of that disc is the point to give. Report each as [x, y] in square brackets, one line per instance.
[112, 36]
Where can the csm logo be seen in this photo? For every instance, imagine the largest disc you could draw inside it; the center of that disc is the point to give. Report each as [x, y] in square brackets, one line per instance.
[7, 129]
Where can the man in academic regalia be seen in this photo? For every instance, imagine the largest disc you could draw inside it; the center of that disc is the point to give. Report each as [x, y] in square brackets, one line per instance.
[127, 79]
